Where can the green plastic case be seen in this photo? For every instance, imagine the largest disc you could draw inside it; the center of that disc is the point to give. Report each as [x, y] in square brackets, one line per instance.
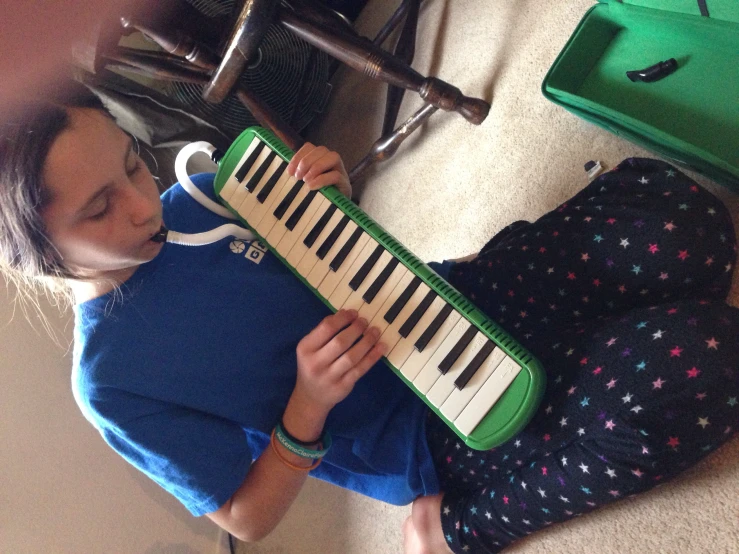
[691, 116]
[519, 402]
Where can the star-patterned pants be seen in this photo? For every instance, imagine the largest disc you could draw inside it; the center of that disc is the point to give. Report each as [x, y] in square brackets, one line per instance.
[620, 293]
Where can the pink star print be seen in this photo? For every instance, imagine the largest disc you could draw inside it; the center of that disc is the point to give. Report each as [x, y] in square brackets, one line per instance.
[670, 226]
[673, 442]
[653, 248]
[610, 425]
[692, 373]
[611, 221]
[683, 255]
[611, 383]
[713, 343]
[597, 370]
[675, 352]
[658, 383]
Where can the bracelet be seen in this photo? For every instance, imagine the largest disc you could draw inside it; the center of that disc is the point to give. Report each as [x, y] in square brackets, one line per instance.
[289, 464]
[299, 450]
[293, 439]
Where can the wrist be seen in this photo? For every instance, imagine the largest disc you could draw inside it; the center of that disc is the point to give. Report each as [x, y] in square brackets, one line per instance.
[303, 420]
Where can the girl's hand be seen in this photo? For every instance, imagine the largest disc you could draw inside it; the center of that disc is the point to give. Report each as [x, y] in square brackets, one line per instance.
[319, 167]
[329, 361]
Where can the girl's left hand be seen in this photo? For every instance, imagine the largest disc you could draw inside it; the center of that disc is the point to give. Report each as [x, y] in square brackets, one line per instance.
[318, 167]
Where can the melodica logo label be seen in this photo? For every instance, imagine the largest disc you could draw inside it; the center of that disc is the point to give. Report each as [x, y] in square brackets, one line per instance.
[255, 250]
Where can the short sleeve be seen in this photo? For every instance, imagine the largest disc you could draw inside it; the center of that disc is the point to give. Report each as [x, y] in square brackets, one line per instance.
[199, 458]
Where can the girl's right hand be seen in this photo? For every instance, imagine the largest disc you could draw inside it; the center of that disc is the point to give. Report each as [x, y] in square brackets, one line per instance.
[329, 363]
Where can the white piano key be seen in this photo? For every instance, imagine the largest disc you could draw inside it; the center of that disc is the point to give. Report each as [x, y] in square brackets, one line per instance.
[250, 201]
[321, 269]
[343, 290]
[404, 348]
[487, 396]
[241, 193]
[444, 386]
[298, 249]
[390, 335]
[310, 259]
[279, 230]
[429, 374]
[404, 279]
[232, 184]
[355, 300]
[333, 278]
[459, 399]
[265, 223]
[370, 309]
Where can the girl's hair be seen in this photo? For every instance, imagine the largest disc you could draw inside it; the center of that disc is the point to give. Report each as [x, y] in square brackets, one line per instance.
[27, 257]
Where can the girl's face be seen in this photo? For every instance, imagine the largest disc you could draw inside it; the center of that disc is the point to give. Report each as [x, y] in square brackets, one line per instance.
[103, 203]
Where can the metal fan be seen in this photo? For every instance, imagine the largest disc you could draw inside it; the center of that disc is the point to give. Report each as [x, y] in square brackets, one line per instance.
[288, 74]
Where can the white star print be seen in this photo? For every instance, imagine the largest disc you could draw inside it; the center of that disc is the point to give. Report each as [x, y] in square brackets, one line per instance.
[581, 431]
[611, 473]
[563, 422]
[658, 334]
[542, 493]
[584, 468]
[636, 409]
[624, 242]
[564, 461]
[644, 181]
[517, 443]
[627, 398]
[563, 499]
[703, 421]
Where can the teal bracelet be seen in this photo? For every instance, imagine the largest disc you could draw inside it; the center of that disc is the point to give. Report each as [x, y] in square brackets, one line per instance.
[299, 450]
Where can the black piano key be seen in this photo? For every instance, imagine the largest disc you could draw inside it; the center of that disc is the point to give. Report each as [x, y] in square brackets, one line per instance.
[375, 287]
[454, 353]
[246, 166]
[474, 365]
[402, 300]
[269, 185]
[417, 314]
[318, 227]
[367, 266]
[292, 221]
[259, 173]
[332, 238]
[432, 329]
[289, 197]
[344, 252]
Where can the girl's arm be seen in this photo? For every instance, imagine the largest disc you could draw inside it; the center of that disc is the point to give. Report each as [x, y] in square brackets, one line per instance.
[328, 368]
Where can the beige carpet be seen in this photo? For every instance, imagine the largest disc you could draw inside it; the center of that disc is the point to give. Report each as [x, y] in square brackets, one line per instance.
[449, 188]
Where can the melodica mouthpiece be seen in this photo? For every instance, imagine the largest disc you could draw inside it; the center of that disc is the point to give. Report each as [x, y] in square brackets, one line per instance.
[654, 72]
[161, 236]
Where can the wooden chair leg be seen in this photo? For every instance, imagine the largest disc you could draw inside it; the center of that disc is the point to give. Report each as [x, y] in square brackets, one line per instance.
[360, 54]
[405, 49]
[386, 146]
[179, 44]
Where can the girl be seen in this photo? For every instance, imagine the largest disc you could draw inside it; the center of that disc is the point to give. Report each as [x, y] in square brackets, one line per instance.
[204, 367]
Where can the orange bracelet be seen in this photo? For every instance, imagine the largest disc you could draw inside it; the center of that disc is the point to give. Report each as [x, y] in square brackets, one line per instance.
[286, 462]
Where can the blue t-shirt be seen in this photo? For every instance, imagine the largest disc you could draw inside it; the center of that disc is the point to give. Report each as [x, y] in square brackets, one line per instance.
[186, 371]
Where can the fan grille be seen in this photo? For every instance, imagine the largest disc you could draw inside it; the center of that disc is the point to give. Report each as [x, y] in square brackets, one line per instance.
[274, 76]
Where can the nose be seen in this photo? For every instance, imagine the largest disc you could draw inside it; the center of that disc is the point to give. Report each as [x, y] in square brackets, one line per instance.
[143, 206]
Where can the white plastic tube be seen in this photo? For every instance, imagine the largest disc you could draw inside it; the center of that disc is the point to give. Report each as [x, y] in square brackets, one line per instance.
[208, 237]
[180, 169]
